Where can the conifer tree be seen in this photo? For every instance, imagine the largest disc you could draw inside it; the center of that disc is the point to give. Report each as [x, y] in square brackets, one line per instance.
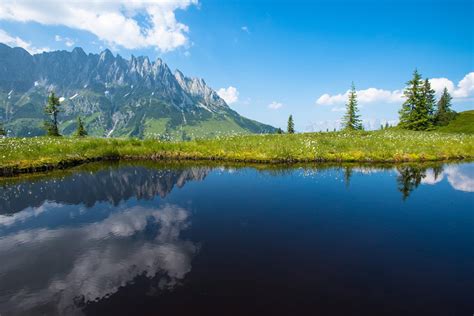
[80, 131]
[417, 110]
[413, 95]
[279, 131]
[430, 99]
[52, 109]
[444, 114]
[351, 120]
[3, 132]
[291, 125]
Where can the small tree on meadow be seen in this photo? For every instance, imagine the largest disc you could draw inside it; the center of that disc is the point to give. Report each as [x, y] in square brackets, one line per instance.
[80, 131]
[3, 132]
[351, 120]
[291, 125]
[279, 131]
[51, 110]
[444, 114]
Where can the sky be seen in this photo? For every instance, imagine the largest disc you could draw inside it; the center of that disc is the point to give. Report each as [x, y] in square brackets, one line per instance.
[270, 59]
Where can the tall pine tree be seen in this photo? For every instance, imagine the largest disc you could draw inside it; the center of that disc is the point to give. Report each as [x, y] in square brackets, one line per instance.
[414, 101]
[444, 114]
[427, 112]
[52, 109]
[351, 120]
[291, 125]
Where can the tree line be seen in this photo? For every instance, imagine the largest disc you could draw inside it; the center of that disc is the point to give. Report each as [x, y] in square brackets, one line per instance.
[420, 111]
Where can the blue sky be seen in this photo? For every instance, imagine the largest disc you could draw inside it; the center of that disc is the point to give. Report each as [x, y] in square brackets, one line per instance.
[279, 57]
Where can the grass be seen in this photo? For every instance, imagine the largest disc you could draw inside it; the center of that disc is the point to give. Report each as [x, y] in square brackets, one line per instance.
[463, 123]
[40, 153]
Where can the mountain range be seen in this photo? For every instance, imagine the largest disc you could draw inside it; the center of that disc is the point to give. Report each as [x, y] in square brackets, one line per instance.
[115, 97]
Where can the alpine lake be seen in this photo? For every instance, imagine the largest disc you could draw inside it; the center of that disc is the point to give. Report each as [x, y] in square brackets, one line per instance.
[156, 238]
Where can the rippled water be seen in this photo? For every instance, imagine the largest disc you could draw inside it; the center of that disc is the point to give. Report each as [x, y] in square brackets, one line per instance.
[138, 239]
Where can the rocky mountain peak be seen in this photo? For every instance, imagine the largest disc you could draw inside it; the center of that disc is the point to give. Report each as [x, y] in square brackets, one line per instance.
[122, 95]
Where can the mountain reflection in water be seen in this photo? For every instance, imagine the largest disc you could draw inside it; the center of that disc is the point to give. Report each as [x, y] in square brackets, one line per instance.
[91, 239]
[112, 184]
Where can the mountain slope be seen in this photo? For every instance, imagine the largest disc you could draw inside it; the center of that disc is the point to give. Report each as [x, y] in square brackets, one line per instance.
[114, 96]
[463, 123]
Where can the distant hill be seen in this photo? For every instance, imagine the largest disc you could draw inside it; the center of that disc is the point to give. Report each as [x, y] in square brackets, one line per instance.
[463, 123]
[115, 97]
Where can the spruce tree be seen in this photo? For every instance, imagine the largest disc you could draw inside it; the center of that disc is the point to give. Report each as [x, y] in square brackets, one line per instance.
[52, 109]
[444, 114]
[351, 120]
[412, 93]
[80, 131]
[291, 125]
[429, 99]
[279, 131]
[3, 132]
[417, 110]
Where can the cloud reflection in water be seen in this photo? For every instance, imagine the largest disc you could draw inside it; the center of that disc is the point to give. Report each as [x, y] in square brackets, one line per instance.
[58, 269]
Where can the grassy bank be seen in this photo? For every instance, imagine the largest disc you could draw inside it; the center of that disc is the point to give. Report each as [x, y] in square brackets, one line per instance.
[33, 154]
[463, 123]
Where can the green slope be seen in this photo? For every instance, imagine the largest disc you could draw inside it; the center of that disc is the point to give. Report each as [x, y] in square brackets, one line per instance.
[463, 123]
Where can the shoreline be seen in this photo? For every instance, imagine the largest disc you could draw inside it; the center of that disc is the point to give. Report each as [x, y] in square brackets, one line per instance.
[12, 171]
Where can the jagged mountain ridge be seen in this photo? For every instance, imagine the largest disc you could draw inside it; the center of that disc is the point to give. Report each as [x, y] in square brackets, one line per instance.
[115, 96]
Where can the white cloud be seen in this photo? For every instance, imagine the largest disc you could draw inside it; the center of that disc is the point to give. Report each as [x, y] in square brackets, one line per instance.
[245, 29]
[338, 109]
[230, 94]
[464, 89]
[275, 105]
[371, 95]
[15, 41]
[114, 22]
[69, 42]
[438, 84]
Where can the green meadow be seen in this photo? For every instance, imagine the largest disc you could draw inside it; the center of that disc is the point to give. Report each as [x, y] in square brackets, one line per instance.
[391, 145]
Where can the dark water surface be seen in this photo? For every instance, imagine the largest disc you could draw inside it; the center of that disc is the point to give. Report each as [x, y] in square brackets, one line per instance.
[151, 239]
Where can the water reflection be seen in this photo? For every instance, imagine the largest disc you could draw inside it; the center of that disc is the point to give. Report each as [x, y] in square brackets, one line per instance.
[71, 239]
[409, 178]
[94, 184]
[89, 237]
[460, 177]
[84, 264]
